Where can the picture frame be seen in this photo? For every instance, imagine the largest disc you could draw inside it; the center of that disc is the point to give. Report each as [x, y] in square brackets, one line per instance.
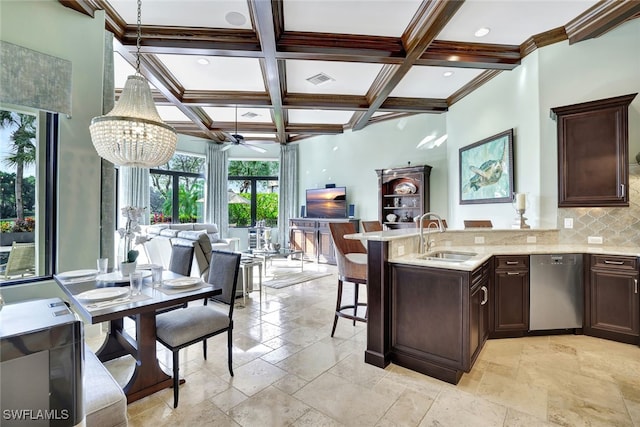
[486, 172]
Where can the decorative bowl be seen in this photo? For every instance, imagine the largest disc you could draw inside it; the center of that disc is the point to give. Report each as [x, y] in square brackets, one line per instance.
[392, 217]
[405, 188]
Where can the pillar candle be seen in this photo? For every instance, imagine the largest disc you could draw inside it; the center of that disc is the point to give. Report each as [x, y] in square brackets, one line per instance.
[521, 201]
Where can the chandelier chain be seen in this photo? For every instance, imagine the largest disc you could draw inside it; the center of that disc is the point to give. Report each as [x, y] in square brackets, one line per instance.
[138, 36]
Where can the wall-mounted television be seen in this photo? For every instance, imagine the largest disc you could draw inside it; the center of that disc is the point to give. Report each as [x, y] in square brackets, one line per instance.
[327, 202]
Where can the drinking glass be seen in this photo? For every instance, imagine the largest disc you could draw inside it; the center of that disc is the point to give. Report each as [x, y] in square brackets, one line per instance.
[135, 279]
[103, 265]
[156, 275]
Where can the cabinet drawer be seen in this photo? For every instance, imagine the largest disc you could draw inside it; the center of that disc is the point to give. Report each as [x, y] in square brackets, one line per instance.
[617, 262]
[510, 262]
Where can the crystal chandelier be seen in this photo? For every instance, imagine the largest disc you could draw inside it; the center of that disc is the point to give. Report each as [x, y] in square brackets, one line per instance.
[133, 134]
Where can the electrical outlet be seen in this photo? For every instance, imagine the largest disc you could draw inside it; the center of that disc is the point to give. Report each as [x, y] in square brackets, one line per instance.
[594, 240]
[531, 239]
[479, 240]
[400, 250]
[568, 223]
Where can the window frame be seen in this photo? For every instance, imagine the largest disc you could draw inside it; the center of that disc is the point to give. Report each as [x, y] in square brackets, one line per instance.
[254, 194]
[49, 238]
[175, 183]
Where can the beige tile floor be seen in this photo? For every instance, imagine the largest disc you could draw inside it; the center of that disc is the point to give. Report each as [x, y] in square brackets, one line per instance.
[289, 371]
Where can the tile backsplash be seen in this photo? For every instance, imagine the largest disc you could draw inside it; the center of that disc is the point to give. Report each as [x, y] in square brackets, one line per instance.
[617, 226]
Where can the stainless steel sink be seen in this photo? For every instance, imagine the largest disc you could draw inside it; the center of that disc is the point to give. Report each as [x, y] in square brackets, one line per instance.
[450, 256]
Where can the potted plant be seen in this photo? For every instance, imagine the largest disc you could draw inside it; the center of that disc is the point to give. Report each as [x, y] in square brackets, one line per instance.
[19, 231]
[129, 236]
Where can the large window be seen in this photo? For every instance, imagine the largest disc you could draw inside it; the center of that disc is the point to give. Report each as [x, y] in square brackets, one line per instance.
[28, 143]
[253, 193]
[177, 190]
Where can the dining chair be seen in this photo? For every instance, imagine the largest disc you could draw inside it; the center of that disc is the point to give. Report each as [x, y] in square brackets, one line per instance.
[351, 259]
[179, 263]
[181, 259]
[368, 226]
[478, 223]
[178, 329]
[428, 221]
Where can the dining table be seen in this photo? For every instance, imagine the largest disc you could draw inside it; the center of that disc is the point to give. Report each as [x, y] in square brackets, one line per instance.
[148, 377]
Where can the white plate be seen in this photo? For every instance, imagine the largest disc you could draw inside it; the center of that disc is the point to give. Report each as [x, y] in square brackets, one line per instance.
[116, 277]
[77, 273]
[145, 266]
[183, 282]
[102, 294]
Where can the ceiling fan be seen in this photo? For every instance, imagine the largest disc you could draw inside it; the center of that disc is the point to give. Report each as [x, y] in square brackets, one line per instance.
[237, 139]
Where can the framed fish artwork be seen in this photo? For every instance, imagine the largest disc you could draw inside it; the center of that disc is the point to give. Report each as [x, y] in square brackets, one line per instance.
[486, 170]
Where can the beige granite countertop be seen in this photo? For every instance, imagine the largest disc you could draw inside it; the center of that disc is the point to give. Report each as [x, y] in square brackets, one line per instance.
[487, 251]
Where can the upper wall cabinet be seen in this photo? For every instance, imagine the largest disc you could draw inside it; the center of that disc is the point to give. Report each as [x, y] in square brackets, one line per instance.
[593, 153]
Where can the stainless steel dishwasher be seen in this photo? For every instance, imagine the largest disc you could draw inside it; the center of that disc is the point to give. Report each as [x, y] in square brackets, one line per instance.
[555, 292]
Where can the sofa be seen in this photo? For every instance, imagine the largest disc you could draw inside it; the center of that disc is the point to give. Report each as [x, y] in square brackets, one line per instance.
[203, 237]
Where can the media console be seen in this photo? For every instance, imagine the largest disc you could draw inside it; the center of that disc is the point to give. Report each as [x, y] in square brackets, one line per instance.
[312, 237]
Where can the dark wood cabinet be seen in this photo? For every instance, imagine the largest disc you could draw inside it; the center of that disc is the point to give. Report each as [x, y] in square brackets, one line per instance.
[511, 295]
[593, 153]
[480, 310]
[403, 194]
[439, 319]
[312, 237]
[612, 303]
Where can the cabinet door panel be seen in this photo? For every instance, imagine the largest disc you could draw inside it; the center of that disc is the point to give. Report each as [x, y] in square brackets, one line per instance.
[511, 301]
[614, 303]
[593, 153]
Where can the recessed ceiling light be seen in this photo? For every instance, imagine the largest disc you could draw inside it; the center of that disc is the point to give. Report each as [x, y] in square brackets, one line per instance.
[320, 78]
[235, 18]
[448, 73]
[481, 32]
[203, 61]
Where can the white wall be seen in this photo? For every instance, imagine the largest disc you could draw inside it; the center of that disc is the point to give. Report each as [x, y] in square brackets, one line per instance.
[600, 68]
[48, 27]
[350, 160]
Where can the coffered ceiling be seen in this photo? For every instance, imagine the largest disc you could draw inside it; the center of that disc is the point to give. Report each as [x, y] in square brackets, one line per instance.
[298, 68]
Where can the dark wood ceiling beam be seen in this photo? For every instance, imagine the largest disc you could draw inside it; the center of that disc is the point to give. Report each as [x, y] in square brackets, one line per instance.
[600, 18]
[472, 85]
[470, 55]
[86, 7]
[429, 20]
[543, 39]
[263, 15]
[414, 105]
[226, 99]
[152, 70]
[247, 128]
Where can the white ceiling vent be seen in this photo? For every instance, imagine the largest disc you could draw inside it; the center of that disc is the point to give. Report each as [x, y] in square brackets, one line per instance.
[319, 79]
[249, 115]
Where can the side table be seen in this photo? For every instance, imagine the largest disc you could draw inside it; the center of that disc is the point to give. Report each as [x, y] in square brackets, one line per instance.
[247, 264]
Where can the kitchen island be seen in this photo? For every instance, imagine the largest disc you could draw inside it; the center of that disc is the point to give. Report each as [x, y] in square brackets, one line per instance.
[434, 315]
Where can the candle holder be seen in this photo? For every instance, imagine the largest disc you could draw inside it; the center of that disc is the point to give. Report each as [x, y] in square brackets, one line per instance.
[519, 203]
[521, 220]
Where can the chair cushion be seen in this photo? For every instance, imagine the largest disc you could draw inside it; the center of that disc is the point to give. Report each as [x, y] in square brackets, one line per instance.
[178, 327]
[105, 404]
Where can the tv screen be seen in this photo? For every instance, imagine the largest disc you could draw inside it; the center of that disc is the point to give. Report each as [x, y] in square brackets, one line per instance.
[327, 202]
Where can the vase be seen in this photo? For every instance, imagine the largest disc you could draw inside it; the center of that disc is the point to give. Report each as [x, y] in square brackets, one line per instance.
[126, 268]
